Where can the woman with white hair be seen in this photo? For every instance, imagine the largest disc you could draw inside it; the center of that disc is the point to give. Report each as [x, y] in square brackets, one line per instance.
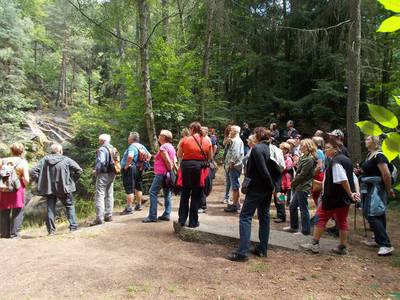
[164, 161]
[376, 186]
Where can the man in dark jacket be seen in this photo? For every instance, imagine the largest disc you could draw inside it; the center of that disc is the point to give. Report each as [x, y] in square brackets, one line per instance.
[56, 175]
[339, 191]
[259, 193]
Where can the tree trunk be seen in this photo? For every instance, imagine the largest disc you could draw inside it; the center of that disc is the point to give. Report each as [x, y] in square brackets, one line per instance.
[72, 86]
[353, 80]
[181, 21]
[62, 84]
[145, 72]
[164, 15]
[121, 52]
[385, 79]
[206, 58]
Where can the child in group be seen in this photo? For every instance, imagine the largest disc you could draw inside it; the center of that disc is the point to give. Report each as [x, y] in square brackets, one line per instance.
[286, 174]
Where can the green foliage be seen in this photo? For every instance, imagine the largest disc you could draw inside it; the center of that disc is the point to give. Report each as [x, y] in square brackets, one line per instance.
[390, 24]
[383, 116]
[369, 128]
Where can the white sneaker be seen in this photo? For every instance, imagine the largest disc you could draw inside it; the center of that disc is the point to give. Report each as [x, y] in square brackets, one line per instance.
[384, 251]
[370, 243]
[310, 247]
[298, 233]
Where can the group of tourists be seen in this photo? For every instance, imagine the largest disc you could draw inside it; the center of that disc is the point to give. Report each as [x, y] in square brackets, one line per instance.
[275, 166]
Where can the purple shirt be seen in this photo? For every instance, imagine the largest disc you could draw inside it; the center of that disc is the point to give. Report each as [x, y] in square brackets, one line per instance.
[159, 164]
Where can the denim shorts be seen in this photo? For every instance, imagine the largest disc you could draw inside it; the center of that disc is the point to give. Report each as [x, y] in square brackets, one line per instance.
[234, 177]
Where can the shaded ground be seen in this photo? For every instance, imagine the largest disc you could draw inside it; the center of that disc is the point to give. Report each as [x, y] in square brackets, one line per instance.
[129, 259]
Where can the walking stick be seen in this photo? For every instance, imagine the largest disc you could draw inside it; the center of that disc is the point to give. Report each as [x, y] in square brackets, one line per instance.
[355, 217]
[365, 227]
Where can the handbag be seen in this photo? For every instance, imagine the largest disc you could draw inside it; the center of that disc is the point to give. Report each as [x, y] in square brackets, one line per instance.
[245, 185]
[205, 174]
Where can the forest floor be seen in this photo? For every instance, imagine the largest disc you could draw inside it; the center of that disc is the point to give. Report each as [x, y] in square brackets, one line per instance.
[128, 259]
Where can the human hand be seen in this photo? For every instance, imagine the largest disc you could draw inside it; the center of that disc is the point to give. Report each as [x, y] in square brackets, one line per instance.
[356, 197]
[392, 194]
[93, 172]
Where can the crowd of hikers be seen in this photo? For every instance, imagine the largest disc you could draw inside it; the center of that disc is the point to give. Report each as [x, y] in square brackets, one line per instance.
[278, 166]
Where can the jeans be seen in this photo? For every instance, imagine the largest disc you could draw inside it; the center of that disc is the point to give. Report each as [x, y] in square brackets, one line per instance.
[300, 201]
[260, 201]
[156, 186]
[68, 202]
[378, 226]
[194, 194]
[104, 197]
[227, 185]
[11, 221]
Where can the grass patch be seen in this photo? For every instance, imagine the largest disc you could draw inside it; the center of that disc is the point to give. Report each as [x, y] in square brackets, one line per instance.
[132, 290]
[258, 267]
[395, 295]
[173, 288]
[396, 261]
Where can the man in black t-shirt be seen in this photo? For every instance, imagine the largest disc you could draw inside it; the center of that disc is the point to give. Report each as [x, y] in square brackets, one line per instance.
[244, 135]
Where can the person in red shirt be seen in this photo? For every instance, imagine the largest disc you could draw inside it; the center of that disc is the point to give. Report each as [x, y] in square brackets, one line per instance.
[194, 151]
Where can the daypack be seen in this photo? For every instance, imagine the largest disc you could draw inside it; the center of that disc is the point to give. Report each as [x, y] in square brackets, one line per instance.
[114, 164]
[9, 180]
[143, 161]
[276, 155]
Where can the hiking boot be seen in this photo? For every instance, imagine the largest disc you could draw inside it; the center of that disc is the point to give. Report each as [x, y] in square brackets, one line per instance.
[370, 243]
[108, 219]
[289, 229]
[96, 222]
[314, 248]
[340, 250]
[385, 251]
[237, 257]
[138, 207]
[194, 225]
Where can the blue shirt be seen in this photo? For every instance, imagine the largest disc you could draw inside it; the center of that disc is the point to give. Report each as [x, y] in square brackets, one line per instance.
[131, 150]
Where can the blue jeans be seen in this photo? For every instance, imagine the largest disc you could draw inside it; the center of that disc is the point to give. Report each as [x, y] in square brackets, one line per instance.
[68, 202]
[260, 201]
[156, 186]
[300, 201]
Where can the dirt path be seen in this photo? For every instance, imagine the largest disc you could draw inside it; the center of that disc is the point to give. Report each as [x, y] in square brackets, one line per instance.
[129, 259]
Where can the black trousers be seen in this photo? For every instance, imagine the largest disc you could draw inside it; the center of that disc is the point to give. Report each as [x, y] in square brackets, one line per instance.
[378, 226]
[280, 208]
[194, 195]
[10, 222]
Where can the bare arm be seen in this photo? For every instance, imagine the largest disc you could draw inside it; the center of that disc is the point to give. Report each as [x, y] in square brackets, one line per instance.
[128, 161]
[387, 180]
[167, 160]
[179, 154]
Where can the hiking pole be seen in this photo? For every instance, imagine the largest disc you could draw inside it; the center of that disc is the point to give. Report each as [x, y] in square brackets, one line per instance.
[355, 217]
[365, 228]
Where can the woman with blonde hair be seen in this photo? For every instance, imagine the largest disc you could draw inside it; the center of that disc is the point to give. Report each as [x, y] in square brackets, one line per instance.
[301, 185]
[12, 201]
[376, 187]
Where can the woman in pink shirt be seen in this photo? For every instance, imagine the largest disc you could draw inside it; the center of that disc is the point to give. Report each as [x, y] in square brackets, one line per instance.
[12, 203]
[164, 161]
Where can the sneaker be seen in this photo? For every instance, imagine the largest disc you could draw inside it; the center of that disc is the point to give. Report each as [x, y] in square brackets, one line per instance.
[314, 248]
[194, 225]
[298, 233]
[237, 257]
[127, 211]
[289, 229]
[96, 222]
[201, 211]
[164, 218]
[385, 251]
[278, 220]
[340, 250]
[148, 220]
[138, 207]
[231, 209]
[370, 243]
[108, 219]
[257, 252]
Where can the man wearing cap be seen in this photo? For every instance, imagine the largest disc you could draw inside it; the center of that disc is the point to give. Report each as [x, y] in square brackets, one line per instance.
[338, 136]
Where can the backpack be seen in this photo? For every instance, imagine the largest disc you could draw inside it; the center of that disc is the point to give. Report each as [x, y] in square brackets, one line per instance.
[276, 155]
[143, 161]
[9, 180]
[114, 164]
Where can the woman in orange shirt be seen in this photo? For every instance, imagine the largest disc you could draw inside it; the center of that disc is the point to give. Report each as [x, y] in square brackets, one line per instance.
[194, 151]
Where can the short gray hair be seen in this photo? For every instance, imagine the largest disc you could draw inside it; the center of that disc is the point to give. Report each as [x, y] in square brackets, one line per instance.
[235, 128]
[105, 138]
[56, 149]
[135, 136]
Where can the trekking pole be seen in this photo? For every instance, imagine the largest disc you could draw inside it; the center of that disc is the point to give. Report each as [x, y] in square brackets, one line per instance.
[365, 228]
[355, 217]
